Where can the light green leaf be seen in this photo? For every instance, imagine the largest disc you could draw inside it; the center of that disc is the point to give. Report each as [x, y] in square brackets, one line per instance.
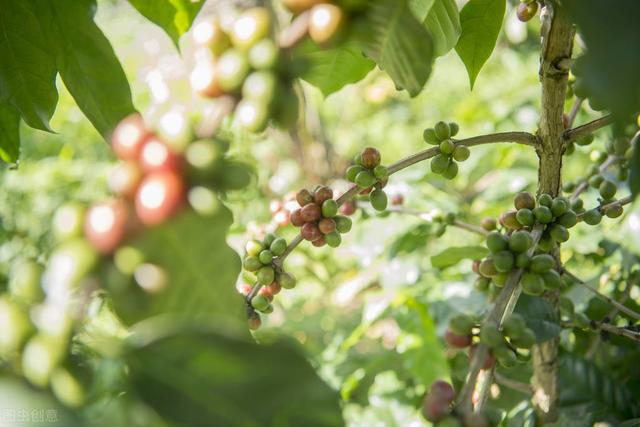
[420, 8]
[331, 69]
[481, 21]
[87, 63]
[201, 269]
[454, 255]
[27, 66]
[540, 317]
[9, 133]
[173, 16]
[195, 376]
[443, 22]
[399, 44]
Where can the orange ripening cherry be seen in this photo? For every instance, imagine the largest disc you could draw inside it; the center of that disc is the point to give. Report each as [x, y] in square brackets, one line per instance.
[160, 195]
[129, 136]
[124, 179]
[105, 225]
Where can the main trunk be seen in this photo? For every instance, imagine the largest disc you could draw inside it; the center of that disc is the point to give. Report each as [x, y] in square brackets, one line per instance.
[557, 41]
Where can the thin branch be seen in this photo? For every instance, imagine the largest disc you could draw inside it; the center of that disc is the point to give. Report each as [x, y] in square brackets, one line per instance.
[513, 384]
[604, 297]
[616, 330]
[584, 184]
[575, 108]
[485, 388]
[571, 135]
[295, 32]
[619, 202]
[470, 227]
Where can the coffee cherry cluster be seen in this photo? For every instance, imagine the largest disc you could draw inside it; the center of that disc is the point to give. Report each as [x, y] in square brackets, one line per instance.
[438, 403]
[327, 21]
[318, 217]
[371, 176]
[506, 342]
[526, 10]
[244, 62]
[444, 163]
[259, 262]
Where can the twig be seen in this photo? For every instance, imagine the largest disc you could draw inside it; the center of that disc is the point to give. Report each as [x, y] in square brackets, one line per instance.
[295, 32]
[575, 108]
[470, 227]
[619, 202]
[513, 384]
[616, 330]
[485, 388]
[571, 135]
[604, 297]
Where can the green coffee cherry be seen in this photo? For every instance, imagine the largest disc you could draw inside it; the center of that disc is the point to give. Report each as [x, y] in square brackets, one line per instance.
[543, 214]
[381, 172]
[252, 263]
[266, 257]
[568, 219]
[496, 241]
[503, 261]
[453, 128]
[559, 233]
[532, 284]
[613, 211]
[378, 199]
[232, 68]
[278, 246]
[259, 302]
[586, 140]
[482, 283]
[264, 54]
[486, 268]
[566, 307]
[452, 170]
[461, 153]
[461, 324]
[253, 248]
[440, 163]
[260, 85]
[526, 340]
[353, 171]
[525, 217]
[505, 356]
[607, 189]
[592, 217]
[329, 208]
[333, 239]
[365, 179]
[559, 206]
[552, 279]
[343, 223]
[287, 281]
[595, 181]
[268, 239]
[491, 336]
[429, 136]
[546, 242]
[524, 200]
[15, 326]
[24, 282]
[500, 279]
[514, 325]
[442, 130]
[520, 241]
[545, 200]
[542, 263]
[447, 146]
[265, 276]
[523, 260]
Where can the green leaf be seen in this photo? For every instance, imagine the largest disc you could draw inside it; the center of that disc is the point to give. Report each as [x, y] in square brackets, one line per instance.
[481, 21]
[27, 68]
[443, 22]
[635, 422]
[610, 68]
[420, 8]
[454, 255]
[331, 69]
[9, 133]
[201, 268]
[414, 238]
[24, 406]
[87, 63]
[634, 166]
[173, 16]
[583, 382]
[197, 377]
[399, 44]
[540, 317]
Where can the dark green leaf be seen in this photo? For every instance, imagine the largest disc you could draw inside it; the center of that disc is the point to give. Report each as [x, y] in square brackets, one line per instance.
[27, 66]
[201, 268]
[610, 67]
[197, 377]
[420, 8]
[540, 317]
[454, 255]
[399, 44]
[634, 166]
[443, 22]
[631, 423]
[87, 63]
[331, 69]
[582, 382]
[481, 21]
[173, 16]
[24, 406]
[9, 133]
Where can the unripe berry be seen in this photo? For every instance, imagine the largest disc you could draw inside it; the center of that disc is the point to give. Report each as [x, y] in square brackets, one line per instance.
[532, 284]
[310, 212]
[543, 214]
[352, 172]
[326, 22]
[525, 217]
[488, 223]
[208, 33]
[453, 129]
[343, 224]
[251, 263]
[297, 6]
[429, 136]
[333, 239]
[514, 325]
[545, 200]
[370, 157]
[365, 179]
[447, 146]
[503, 261]
[266, 257]
[439, 164]
[253, 248]
[263, 55]
[496, 241]
[508, 219]
[304, 197]
[613, 211]
[381, 172]
[526, 340]
[490, 335]
[252, 25]
[568, 219]
[287, 281]
[461, 324]
[524, 200]
[329, 208]
[607, 189]
[442, 130]
[265, 275]
[592, 217]
[461, 153]
[232, 68]
[278, 246]
[326, 225]
[260, 302]
[559, 206]
[319, 242]
[310, 232]
[452, 170]
[552, 279]
[487, 269]
[296, 218]
[559, 233]
[520, 241]
[321, 194]
[378, 199]
[542, 263]
[526, 11]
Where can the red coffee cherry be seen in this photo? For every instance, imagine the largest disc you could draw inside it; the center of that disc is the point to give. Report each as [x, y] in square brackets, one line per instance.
[304, 197]
[310, 232]
[105, 225]
[348, 208]
[397, 199]
[370, 157]
[321, 194]
[296, 218]
[319, 242]
[310, 212]
[160, 195]
[526, 11]
[244, 288]
[457, 341]
[275, 206]
[129, 136]
[434, 408]
[157, 156]
[442, 390]
[326, 225]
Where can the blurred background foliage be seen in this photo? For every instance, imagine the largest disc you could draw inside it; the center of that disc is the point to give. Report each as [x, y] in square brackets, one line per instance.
[370, 314]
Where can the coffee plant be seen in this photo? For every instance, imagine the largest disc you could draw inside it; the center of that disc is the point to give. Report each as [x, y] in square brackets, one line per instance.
[153, 280]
